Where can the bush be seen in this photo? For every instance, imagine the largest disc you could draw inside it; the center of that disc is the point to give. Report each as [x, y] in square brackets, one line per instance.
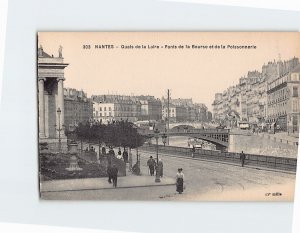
[54, 166]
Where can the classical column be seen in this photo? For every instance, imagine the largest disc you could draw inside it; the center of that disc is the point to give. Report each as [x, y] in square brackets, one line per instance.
[60, 103]
[46, 99]
[41, 107]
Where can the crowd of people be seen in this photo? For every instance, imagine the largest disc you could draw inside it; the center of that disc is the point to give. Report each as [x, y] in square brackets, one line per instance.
[158, 167]
[155, 168]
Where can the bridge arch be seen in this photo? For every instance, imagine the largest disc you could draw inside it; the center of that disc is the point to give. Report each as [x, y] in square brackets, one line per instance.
[182, 127]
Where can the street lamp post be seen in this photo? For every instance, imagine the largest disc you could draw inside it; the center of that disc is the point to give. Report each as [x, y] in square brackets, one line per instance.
[156, 135]
[164, 138]
[59, 129]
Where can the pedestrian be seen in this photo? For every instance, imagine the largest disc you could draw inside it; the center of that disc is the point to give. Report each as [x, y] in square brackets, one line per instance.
[125, 156]
[111, 151]
[160, 168]
[179, 181]
[193, 151]
[151, 164]
[109, 170]
[114, 175]
[242, 158]
[103, 150]
[119, 156]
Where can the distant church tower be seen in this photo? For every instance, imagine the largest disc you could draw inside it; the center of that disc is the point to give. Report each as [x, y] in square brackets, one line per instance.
[51, 99]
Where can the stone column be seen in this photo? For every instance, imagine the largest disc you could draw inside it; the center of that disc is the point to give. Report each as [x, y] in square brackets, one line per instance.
[41, 107]
[46, 99]
[60, 103]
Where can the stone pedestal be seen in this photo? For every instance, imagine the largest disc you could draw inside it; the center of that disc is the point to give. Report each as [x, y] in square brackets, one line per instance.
[73, 164]
[73, 148]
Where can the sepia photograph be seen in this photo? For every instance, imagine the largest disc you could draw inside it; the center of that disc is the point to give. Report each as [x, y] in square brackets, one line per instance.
[168, 116]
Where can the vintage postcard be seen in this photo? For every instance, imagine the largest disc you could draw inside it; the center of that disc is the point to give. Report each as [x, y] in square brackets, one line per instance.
[168, 116]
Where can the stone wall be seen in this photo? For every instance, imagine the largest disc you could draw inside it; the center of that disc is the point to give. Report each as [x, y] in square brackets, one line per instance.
[256, 144]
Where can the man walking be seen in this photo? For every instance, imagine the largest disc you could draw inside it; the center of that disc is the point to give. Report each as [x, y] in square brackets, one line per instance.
[114, 175]
[193, 151]
[242, 158]
[151, 164]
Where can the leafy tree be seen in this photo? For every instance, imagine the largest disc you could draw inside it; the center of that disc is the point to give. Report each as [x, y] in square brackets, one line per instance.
[81, 132]
[116, 134]
[98, 134]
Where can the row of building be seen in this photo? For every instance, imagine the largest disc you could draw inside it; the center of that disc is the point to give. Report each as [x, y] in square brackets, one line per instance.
[108, 108]
[266, 98]
[62, 109]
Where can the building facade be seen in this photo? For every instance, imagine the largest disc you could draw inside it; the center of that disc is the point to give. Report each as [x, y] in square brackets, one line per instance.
[51, 98]
[151, 108]
[78, 108]
[261, 98]
[108, 108]
[283, 101]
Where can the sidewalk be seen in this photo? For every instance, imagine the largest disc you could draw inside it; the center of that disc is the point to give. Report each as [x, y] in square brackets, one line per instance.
[129, 181]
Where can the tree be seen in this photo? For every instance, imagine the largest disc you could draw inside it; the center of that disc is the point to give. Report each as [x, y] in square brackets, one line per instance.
[98, 134]
[115, 134]
[82, 131]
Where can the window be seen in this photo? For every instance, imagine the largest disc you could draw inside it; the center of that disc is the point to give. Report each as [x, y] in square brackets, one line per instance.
[109, 108]
[295, 91]
[101, 114]
[100, 109]
[295, 106]
[104, 108]
[295, 77]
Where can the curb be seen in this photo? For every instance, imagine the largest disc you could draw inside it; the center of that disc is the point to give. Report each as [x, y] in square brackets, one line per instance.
[91, 189]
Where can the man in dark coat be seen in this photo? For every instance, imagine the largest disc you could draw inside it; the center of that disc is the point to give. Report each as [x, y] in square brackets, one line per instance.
[193, 151]
[125, 156]
[114, 175]
[242, 158]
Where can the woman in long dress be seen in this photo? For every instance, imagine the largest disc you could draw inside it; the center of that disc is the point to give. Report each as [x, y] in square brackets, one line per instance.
[179, 181]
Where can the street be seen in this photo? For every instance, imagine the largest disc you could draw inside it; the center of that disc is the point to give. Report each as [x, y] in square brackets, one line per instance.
[204, 181]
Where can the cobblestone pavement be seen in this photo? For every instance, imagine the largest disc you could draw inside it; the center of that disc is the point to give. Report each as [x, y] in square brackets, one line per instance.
[204, 181]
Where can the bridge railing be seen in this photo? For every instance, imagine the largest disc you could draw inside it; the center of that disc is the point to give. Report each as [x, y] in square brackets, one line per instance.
[191, 131]
[201, 130]
[272, 162]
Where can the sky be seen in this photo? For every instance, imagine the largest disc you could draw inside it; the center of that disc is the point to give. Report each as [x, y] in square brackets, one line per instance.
[187, 72]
